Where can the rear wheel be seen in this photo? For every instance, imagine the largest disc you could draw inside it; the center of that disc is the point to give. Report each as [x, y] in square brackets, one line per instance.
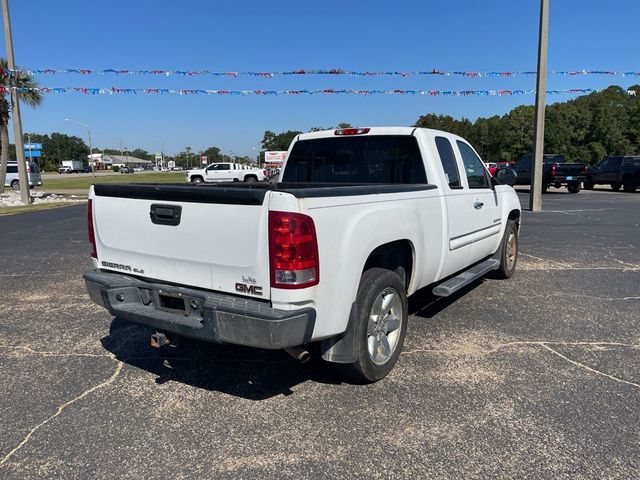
[250, 179]
[628, 185]
[615, 186]
[573, 187]
[197, 180]
[15, 184]
[381, 324]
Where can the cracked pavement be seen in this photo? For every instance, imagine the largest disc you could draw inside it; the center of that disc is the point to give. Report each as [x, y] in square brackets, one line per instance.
[538, 376]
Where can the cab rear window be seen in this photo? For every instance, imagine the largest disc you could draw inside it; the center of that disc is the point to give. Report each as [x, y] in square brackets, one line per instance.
[365, 159]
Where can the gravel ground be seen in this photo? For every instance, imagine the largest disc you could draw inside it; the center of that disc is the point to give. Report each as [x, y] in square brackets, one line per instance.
[537, 376]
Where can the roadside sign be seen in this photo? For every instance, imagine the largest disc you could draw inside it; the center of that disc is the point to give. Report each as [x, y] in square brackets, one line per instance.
[33, 146]
[32, 153]
[275, 156]
[171, 164]
[204, 159]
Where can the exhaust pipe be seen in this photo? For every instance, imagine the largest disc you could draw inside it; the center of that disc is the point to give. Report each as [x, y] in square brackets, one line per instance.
[159, 339]
[299, 354]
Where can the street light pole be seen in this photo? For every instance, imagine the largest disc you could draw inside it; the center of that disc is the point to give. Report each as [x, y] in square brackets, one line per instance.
[90, 143]
[535, 194]
[25, 197]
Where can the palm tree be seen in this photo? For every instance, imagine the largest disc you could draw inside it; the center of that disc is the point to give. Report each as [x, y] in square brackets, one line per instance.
[29, 96]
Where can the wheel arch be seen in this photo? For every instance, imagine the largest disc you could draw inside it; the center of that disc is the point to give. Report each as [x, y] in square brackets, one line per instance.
[397, 256]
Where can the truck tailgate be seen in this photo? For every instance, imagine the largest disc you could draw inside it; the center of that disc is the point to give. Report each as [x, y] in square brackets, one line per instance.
[201, 236]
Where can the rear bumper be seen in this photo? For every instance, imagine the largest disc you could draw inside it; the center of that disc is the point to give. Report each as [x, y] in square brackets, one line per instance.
[567, 179]
[212, 317]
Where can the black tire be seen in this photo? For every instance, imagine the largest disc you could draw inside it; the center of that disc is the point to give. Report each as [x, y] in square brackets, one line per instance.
[628, 185]
[545, 186]
[588, 183]
[197, 180]
[573, 187]
[615, 186]
[15, 184]
[507, 264]
[250, 179]
[373, 283]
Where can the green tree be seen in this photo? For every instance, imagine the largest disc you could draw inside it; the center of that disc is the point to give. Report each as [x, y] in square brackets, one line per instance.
[28, 96]
[278, 141]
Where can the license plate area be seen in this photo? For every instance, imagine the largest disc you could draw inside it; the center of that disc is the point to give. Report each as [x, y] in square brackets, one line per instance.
[171, 302]
[569, 177]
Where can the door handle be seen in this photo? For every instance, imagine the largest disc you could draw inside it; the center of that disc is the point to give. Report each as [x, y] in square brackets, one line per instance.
[478, 205]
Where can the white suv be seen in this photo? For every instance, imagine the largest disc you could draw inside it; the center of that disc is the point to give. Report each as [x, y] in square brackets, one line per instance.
[33, 173]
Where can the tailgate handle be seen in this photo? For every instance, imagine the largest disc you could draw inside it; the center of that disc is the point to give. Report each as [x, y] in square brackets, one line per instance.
[165, 214]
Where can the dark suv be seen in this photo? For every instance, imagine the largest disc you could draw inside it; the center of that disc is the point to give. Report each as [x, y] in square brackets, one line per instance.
[617, 172]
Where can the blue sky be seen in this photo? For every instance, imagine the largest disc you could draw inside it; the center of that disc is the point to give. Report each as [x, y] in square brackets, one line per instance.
[286, 35]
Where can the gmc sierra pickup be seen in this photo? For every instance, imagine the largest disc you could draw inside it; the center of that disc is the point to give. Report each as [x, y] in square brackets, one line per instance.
[359, 219]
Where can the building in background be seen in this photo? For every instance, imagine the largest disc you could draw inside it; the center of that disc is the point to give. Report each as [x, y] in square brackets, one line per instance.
[104, 161]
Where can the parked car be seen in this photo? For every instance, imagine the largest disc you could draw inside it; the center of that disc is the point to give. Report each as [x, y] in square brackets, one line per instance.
[33, 173]
[226, 172]
[491, 167]
[126, 170]
[64, 169]
[555, 172]
[361, 218]
[623, 171]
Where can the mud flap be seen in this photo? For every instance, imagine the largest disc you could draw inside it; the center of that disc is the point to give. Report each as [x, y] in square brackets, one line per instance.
[342, 348]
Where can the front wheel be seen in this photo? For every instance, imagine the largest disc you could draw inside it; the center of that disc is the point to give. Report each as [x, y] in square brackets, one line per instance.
[588, 184]
[628, 185]
[380, 326]
[508, 252]
[15, 184]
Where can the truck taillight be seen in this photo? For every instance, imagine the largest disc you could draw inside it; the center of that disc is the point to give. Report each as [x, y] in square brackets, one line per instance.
[553, 169]
[92, 235]
[585, 169]
[293, 250]
[351, 131]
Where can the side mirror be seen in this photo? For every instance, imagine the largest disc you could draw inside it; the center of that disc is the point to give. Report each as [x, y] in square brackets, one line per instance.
[506, 176]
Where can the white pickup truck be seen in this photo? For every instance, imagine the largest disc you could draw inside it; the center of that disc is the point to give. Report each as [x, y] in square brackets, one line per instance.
[226, 172]
[360, 219]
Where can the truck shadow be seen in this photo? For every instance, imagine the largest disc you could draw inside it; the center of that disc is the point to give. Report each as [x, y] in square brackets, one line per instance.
[423, 303]
[249, 373]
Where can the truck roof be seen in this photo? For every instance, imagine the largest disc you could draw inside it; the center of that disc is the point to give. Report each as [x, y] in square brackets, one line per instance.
[372, 131]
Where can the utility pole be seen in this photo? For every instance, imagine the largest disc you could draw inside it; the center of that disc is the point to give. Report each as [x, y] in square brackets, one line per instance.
[535, 195]
[25, 198]
[93, 172]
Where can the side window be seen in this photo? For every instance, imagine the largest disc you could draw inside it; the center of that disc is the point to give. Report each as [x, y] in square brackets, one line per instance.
[475, 171]
[448, 160]
[12, 169]
[225, 166]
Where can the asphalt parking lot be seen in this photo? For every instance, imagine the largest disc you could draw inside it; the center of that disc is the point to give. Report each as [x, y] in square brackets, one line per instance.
[538, 376]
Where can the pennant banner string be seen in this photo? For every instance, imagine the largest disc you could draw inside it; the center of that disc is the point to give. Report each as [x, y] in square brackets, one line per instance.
[333, 71]
[328, 91]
